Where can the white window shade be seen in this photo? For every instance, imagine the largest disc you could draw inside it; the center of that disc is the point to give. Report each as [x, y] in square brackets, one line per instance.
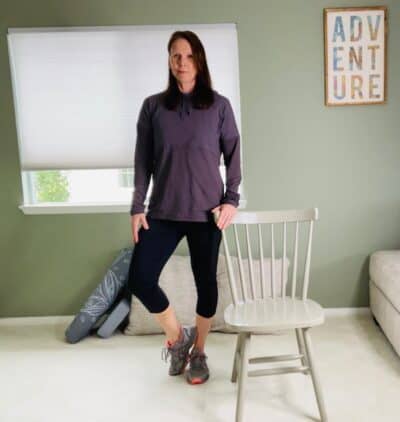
[78, 91]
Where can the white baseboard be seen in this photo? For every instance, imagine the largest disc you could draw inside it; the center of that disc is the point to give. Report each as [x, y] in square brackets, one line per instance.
[33, 320]
[37, 320]
[347, 311]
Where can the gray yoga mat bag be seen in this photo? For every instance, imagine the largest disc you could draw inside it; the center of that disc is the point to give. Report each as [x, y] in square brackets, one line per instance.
[109, 295]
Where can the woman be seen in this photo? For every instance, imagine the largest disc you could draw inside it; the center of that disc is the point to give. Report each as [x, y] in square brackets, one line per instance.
[181, 134]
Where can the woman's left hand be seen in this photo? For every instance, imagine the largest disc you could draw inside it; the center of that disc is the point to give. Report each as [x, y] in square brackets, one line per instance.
[227, 213]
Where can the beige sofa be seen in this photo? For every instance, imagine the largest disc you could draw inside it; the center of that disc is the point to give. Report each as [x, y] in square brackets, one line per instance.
[384, 293]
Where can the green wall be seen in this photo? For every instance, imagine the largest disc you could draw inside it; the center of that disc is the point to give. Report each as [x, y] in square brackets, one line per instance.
[297, 153]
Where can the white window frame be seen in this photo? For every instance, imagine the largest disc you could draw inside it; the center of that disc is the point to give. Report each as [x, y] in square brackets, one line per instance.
[87, 208]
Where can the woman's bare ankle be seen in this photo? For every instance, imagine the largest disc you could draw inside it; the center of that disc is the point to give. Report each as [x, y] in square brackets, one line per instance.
[171, 326]
[174, 336]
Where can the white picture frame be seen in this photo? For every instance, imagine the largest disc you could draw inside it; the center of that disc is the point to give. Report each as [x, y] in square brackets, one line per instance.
[355, 55]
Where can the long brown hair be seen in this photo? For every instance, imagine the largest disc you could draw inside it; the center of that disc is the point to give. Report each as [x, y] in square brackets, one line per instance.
[203, 95]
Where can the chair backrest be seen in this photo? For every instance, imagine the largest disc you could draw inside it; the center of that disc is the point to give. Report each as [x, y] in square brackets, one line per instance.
[257, 219]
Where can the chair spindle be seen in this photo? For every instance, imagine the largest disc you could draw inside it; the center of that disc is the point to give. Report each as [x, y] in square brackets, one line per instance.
[262, 274]
[308, 260]
[283, 261]
[250, 261]
[294, 273]
[240, 263]
[272, 261]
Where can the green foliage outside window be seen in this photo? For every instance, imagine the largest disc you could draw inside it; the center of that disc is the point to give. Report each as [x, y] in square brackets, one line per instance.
[51, 186]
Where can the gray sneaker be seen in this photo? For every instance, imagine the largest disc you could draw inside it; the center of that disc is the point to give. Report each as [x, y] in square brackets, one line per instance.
[198, 371]
[179, 351]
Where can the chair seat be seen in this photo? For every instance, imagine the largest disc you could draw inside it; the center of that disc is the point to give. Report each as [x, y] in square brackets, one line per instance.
[264, 315]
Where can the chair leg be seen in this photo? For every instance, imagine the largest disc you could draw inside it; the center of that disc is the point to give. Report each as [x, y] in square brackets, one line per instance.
[314, 375]
[243, 375]
[239, 342]
[300, 343]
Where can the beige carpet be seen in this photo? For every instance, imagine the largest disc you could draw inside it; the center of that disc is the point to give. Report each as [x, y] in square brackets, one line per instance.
[124, 379]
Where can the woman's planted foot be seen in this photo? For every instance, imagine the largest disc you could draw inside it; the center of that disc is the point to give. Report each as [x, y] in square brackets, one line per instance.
[198, 371]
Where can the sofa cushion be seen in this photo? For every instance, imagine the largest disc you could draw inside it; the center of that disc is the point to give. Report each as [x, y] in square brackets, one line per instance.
[177, 281]
[384, 270]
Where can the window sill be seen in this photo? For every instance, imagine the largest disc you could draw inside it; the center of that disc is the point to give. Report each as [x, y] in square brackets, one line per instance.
[88, 208]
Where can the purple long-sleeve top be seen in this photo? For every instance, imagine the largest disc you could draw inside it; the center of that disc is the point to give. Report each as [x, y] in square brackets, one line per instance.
[181, 149]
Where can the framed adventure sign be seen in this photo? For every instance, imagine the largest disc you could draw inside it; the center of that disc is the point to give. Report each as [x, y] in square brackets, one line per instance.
[355, 55]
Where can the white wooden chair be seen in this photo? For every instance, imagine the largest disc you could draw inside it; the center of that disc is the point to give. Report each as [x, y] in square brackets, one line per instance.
[268, 314]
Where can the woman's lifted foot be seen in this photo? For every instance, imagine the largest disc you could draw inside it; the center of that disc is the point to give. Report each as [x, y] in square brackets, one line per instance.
[179, 350]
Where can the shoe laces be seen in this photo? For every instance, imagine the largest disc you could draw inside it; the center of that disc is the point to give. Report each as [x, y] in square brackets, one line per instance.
[198, 360]
[174, 352]
[165, 353]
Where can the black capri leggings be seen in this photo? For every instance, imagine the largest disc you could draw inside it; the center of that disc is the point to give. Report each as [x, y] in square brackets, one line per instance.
[153, 250]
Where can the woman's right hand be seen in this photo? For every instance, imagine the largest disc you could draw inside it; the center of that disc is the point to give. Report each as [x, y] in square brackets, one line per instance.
[138, 220]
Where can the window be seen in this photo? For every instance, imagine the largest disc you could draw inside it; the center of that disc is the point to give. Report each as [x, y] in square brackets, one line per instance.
[82, 187]
[77, 95]
[126, 178]
[79, 186]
